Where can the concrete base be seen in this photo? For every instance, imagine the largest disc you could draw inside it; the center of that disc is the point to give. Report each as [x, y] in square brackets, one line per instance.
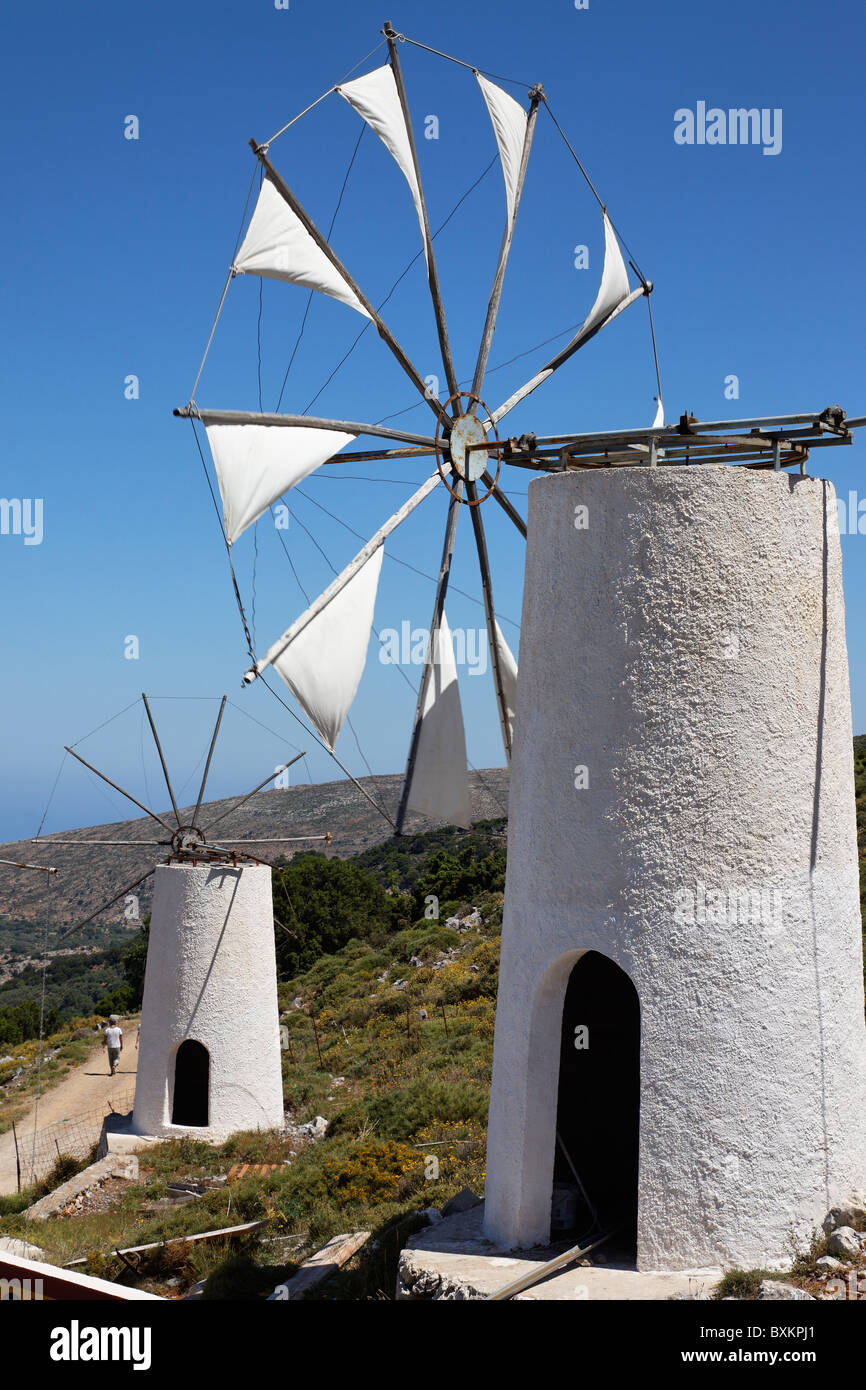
[119, 1136]
[454, 1261]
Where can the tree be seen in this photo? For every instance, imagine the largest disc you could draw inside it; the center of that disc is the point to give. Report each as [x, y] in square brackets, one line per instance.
[459, 878]
[320, 904]
[133, 959]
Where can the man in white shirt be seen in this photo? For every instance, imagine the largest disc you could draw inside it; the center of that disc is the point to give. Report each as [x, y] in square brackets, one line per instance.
[112, 1038]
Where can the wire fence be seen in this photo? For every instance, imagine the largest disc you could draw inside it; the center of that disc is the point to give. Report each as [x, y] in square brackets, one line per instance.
[73, 1138]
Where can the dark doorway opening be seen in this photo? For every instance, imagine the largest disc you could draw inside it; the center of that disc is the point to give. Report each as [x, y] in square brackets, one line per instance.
[598, 1104]
[191, 1084]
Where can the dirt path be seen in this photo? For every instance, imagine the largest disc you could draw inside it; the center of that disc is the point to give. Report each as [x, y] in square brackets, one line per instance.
[70, 1114]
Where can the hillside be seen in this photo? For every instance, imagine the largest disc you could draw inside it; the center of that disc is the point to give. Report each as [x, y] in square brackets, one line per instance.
[89, 876]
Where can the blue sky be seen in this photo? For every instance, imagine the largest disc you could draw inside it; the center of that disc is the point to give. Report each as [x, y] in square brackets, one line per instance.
[115, 252]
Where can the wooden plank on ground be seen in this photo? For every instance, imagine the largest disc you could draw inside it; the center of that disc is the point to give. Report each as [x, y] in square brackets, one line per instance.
[31, 1279]
[321, 1266]
[226, 1233]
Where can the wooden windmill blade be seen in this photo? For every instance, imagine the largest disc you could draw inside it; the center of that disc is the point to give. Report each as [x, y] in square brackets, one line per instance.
[187, 842]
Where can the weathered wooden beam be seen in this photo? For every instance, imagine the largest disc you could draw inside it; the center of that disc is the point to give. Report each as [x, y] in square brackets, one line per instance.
[432, 273]
[225, 1233]
[381, 327]
[342, 579]
[252, 417]
[320, 1267]
[499, 496]
[490, 614]
[438, 609]
[504, 252]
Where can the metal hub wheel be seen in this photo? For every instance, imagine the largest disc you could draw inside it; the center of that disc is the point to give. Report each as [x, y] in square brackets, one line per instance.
[187, 839]
[467, 464]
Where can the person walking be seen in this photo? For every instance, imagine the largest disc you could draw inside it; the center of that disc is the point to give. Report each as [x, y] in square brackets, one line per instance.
[112, 1038]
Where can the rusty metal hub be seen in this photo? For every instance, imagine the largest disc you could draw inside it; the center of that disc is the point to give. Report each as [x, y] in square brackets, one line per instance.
[187, 840]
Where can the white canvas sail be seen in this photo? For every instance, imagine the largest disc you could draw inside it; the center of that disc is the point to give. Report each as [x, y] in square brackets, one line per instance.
[659, 420]
[440, 783]
[509, 126]
[256, 464]
[614, 282]
[613, 296]
[323, 665]
[508, 679]
[278, 246]
[375, 97]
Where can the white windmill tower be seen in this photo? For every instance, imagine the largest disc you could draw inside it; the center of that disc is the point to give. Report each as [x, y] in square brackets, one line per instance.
[621, 685]
[209, 1055]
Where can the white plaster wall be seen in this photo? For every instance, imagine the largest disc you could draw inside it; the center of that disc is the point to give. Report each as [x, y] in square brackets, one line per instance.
[211, 975]
[688, 648]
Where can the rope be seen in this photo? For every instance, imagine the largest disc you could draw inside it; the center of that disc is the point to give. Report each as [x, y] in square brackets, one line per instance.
[595, 191]
[461, 63]
[225, 289]
[289, 558]
[312, 292]
[252, 654]
[467, 381]
[315, 737]
[655, 349]
[400, 277]
[237, 591]
[290, 123]
[405, 563]
[51, 793]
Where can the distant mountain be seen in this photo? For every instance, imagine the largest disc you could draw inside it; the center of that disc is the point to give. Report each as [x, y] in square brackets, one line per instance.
[89, 876]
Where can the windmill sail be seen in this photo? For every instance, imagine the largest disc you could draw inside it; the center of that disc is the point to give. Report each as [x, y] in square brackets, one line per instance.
[509, 121]
[278, 246]
[614, 287]
[613, 296]
[659, 420]
[439, 787]
[337, 585]
[256, 464]
[375, 97]
[508, 679]
[323, 664]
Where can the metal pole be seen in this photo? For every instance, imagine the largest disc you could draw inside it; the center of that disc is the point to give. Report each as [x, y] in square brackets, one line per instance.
[499, 496]
[432, 274]
[207, 764]
[122, 894]
[270, 777]
[438, 609]
[161, 758]
[164, 823]
[43, 868]
[17, 1156]
[384, 332]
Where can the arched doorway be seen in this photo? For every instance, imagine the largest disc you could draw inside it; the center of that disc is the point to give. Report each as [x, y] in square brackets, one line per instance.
[598, 1102]
[191, 1084]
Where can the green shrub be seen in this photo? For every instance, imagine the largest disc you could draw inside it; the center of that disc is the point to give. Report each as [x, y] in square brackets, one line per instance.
[400, 1113]
[741, 1283]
